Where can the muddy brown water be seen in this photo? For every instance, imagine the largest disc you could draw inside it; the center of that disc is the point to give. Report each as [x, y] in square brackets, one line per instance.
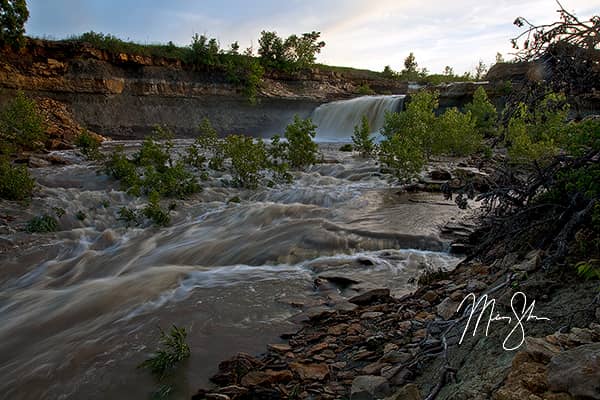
[80, 308]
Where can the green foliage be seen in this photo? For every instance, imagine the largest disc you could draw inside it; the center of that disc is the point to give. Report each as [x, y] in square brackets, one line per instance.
[15, 182]
[536, 135]
[21, 125]
[154, 212]
[129, 215]
[457, 134]
[291, 54]
[153, 169]
[362, 139]
[301, 149]
[484, 113]
[414, 135]
[402, 154]
[248, 159]
[80, 215]
[13, 15]
[173, 349]
[42, 224]
[278, 159]
[89, 146]
[365, 89]
[347, 147]
[589, 269]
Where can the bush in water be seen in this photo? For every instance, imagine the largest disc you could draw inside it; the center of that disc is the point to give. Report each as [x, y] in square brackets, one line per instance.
[362, 139]
[173, 349]
[301, 149]
[42, 224]
[16, 183]
[248, 159]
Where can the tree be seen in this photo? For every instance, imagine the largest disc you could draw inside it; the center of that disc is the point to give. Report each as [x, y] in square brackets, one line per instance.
[13, 15]
[483, 111]
[362, 139]
[410, 64]
[499, 58]
[388, 72]
[301, 150]
[480, 70]
[293, 53]
[448, 71]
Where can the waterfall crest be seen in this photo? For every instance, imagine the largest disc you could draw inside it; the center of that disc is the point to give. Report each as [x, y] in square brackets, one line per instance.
[336, 120]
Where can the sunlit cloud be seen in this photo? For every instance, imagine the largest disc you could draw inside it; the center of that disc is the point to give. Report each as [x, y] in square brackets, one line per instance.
[362, 34]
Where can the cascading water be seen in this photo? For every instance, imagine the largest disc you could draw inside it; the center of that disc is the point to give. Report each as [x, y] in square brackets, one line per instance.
[336, 120]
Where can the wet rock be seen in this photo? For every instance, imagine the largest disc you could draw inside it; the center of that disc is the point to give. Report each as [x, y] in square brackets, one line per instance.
[540, 350]
[232, 370]
[430, 296]
[310, 371]
[407, 392]
[371, 296]
[475, 285]
[576, 371]
[338, 279]
[531, 262]
[279, 347]
[37, 162]
[395, 357]
[337, 330]
[440, 175]
[374, 368]
[258, 378]
[369, 387]
[370, 315]
[233, 391]
[447, 308]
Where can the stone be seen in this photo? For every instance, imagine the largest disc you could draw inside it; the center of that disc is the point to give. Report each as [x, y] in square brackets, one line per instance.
[337, 330]
[531, 262]
[374, 368]
[395, 357]
[279, 347]
[540, 350]
[258, 378]
[475, 285]
[447, 308]
[371, 296]
[390, 347]
[407, 392]
[440, 175]
[430, 296]
[576, 371]
[310, 371]
[370, 315]
[317, 348]
[233, 391]
[36, 162]
[369, 387]
[363, 355]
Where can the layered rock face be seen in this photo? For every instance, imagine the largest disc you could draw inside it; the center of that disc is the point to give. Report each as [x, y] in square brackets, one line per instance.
[124, 96]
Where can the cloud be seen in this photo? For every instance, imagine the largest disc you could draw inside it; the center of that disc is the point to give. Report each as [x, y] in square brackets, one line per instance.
[358, 33]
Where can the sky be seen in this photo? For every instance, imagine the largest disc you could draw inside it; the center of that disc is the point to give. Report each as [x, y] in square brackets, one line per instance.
[358, 33]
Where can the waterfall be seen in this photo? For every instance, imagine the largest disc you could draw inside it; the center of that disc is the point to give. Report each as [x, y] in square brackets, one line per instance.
[336, 120]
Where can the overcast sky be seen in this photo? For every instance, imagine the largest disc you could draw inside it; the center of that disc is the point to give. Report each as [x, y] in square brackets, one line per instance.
[363, 34]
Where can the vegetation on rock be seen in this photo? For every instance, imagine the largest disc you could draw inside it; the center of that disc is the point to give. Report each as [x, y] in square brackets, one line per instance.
[16, 182]
[21, 126]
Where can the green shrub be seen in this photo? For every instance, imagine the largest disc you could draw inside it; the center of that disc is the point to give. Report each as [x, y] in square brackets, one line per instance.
[206, 146]
[123, 169]
[347, 147]
[484, 113]
[362, 139]
[457, 135]
[365, 90]
[403, 155]
[537, 135]
[21, 125]
[15, 182]
[248, 159]
[301, 149]
[42, 224]
[173, 349]
[154, 212]
[129, 215]
[88, 145]
[80, 215]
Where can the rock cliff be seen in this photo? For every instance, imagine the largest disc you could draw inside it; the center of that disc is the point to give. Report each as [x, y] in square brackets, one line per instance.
[124, 96]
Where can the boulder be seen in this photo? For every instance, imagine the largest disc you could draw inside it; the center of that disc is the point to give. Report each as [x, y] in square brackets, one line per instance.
[530, 263]
[369, 387]
[407, 392]
[576, 371]
[371, 296]
[310, 371]
[447, 308]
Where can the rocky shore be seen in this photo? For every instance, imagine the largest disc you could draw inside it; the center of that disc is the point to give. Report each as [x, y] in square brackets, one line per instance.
[371, 345]
[374, 346]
